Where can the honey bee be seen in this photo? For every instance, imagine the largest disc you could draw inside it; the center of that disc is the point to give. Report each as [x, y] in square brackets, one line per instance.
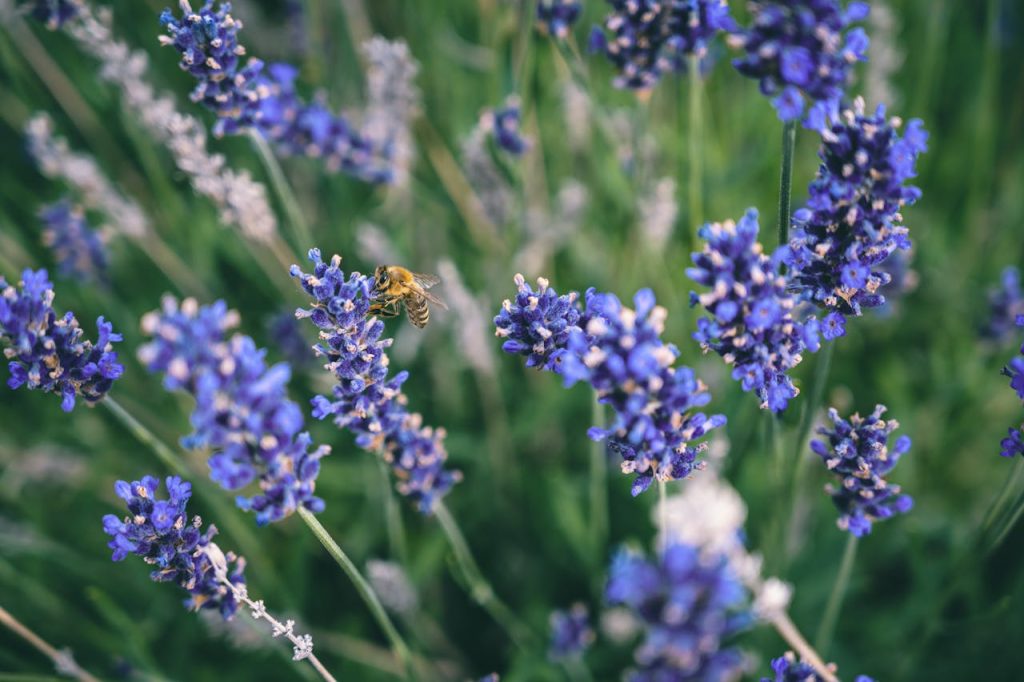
[394, 285]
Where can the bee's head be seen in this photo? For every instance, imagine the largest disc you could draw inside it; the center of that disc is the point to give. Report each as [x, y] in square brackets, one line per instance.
[381, 278]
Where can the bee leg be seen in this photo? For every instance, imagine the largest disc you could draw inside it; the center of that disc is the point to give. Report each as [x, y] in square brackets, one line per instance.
[385, 309]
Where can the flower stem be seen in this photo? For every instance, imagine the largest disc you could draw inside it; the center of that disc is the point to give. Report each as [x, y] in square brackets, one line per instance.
[997, 504]
[398, 645]
[786, 179]
[62, 659]
[284, 190]
[147, 438]
[599, 488]
[835, 601]
[480, 589]
[696, 212]
[393, 515]
[788, 631]
[662, 516]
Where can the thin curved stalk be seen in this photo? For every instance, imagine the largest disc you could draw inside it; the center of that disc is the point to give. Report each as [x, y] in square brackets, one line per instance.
[789, 632]
[283, 189]
[786, 179]
[480, 589]
[398, 645]
[62, 659]
[835, 600]
[598, 488]
[696, 172]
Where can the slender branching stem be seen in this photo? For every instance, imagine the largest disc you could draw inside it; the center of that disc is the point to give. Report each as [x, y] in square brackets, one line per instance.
[398, 645]
[786, 179]
[695, 135]
[283, 189]
[480, 590]
[827, 626]
[62, 659]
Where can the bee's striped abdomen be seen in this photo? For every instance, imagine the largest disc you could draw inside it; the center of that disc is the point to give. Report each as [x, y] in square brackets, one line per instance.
[419, 312]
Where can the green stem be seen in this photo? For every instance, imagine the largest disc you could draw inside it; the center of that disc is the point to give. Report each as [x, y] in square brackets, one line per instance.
[835, 601]
[480, 589]
[1018, 509]
[786, 179]
[696, 212]
[61, 659]
[1008, 484]
[147, 438]
[393, 516]
[599, 488]
[662, 516]
[284, 191]
[398, 645]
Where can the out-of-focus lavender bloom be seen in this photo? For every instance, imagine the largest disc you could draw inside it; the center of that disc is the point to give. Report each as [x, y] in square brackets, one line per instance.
[1013, 444]
[42, 466]
[620, 353]
[802, 48]
[857, 452]
[690, 606]
[504, 125]
[887, 56]
[366, 401]
[576, 109]
[58, 162]
[571, 634]
[538, 323]
[1005, 303]
[471, 320]
[47, 352]
[242, 410]
[393, 101]
[374, 245]
[240, 200]
[286, 335]
[556, 17]
[55, 13]
[786, 668]
[393, 586]
[658, 213]
[161, 533]
[851, 223]
[80, 252]
[751, 324]
[645, 39]
[549, 231]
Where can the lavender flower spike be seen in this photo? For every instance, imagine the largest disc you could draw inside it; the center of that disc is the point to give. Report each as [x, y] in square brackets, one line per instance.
[1005, 303]
[538, 324]
[787, 669]
[242, 409]
[858, 453]
[47, 352]
[504, 124]
[851, 223]
[751, 324]
[556, 17]
[80, 252]
[571, 633]
[799, 49]
[366, 401]
[161, 533]
[1013, 444]
[55, 13]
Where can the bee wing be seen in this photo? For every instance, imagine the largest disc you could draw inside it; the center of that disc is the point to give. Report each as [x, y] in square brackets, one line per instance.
[434, 299]
[425, 281]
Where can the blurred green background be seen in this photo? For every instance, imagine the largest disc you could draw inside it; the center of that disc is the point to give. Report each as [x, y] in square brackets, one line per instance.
[925, 603]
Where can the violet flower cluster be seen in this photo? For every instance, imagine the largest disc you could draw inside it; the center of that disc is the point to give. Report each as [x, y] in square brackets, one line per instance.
[851, 223]
[161, 533]
[751, 324]
[689, 605]
[646, 39]
[504, 123]
[47, 352]
[556, 17]
[620, 353]
[55, 13]
[80, 252]
[787, 669]
[857, 452]
[1005, 305]
[366, 401]
[246, 96]
[242, 411]
[1013, 444]
[571, 633]
[799, 49]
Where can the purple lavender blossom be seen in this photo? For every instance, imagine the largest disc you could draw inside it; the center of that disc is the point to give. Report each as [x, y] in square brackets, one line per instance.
[80, 253]
[851, 223]
[1005, 304]
[690, 605]
[571, 633]
[857, 451]
[751, 324]
[161, 533]
[801, 48]
[249, 97]
[366, 401]
[556, 17]
[787, 669]
[286, 335]
[504, 124]
[645, 39]
[55, 13]
[47, 352]
[1013, 444]
[620, 353]
[242, 411]
[538, 323]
